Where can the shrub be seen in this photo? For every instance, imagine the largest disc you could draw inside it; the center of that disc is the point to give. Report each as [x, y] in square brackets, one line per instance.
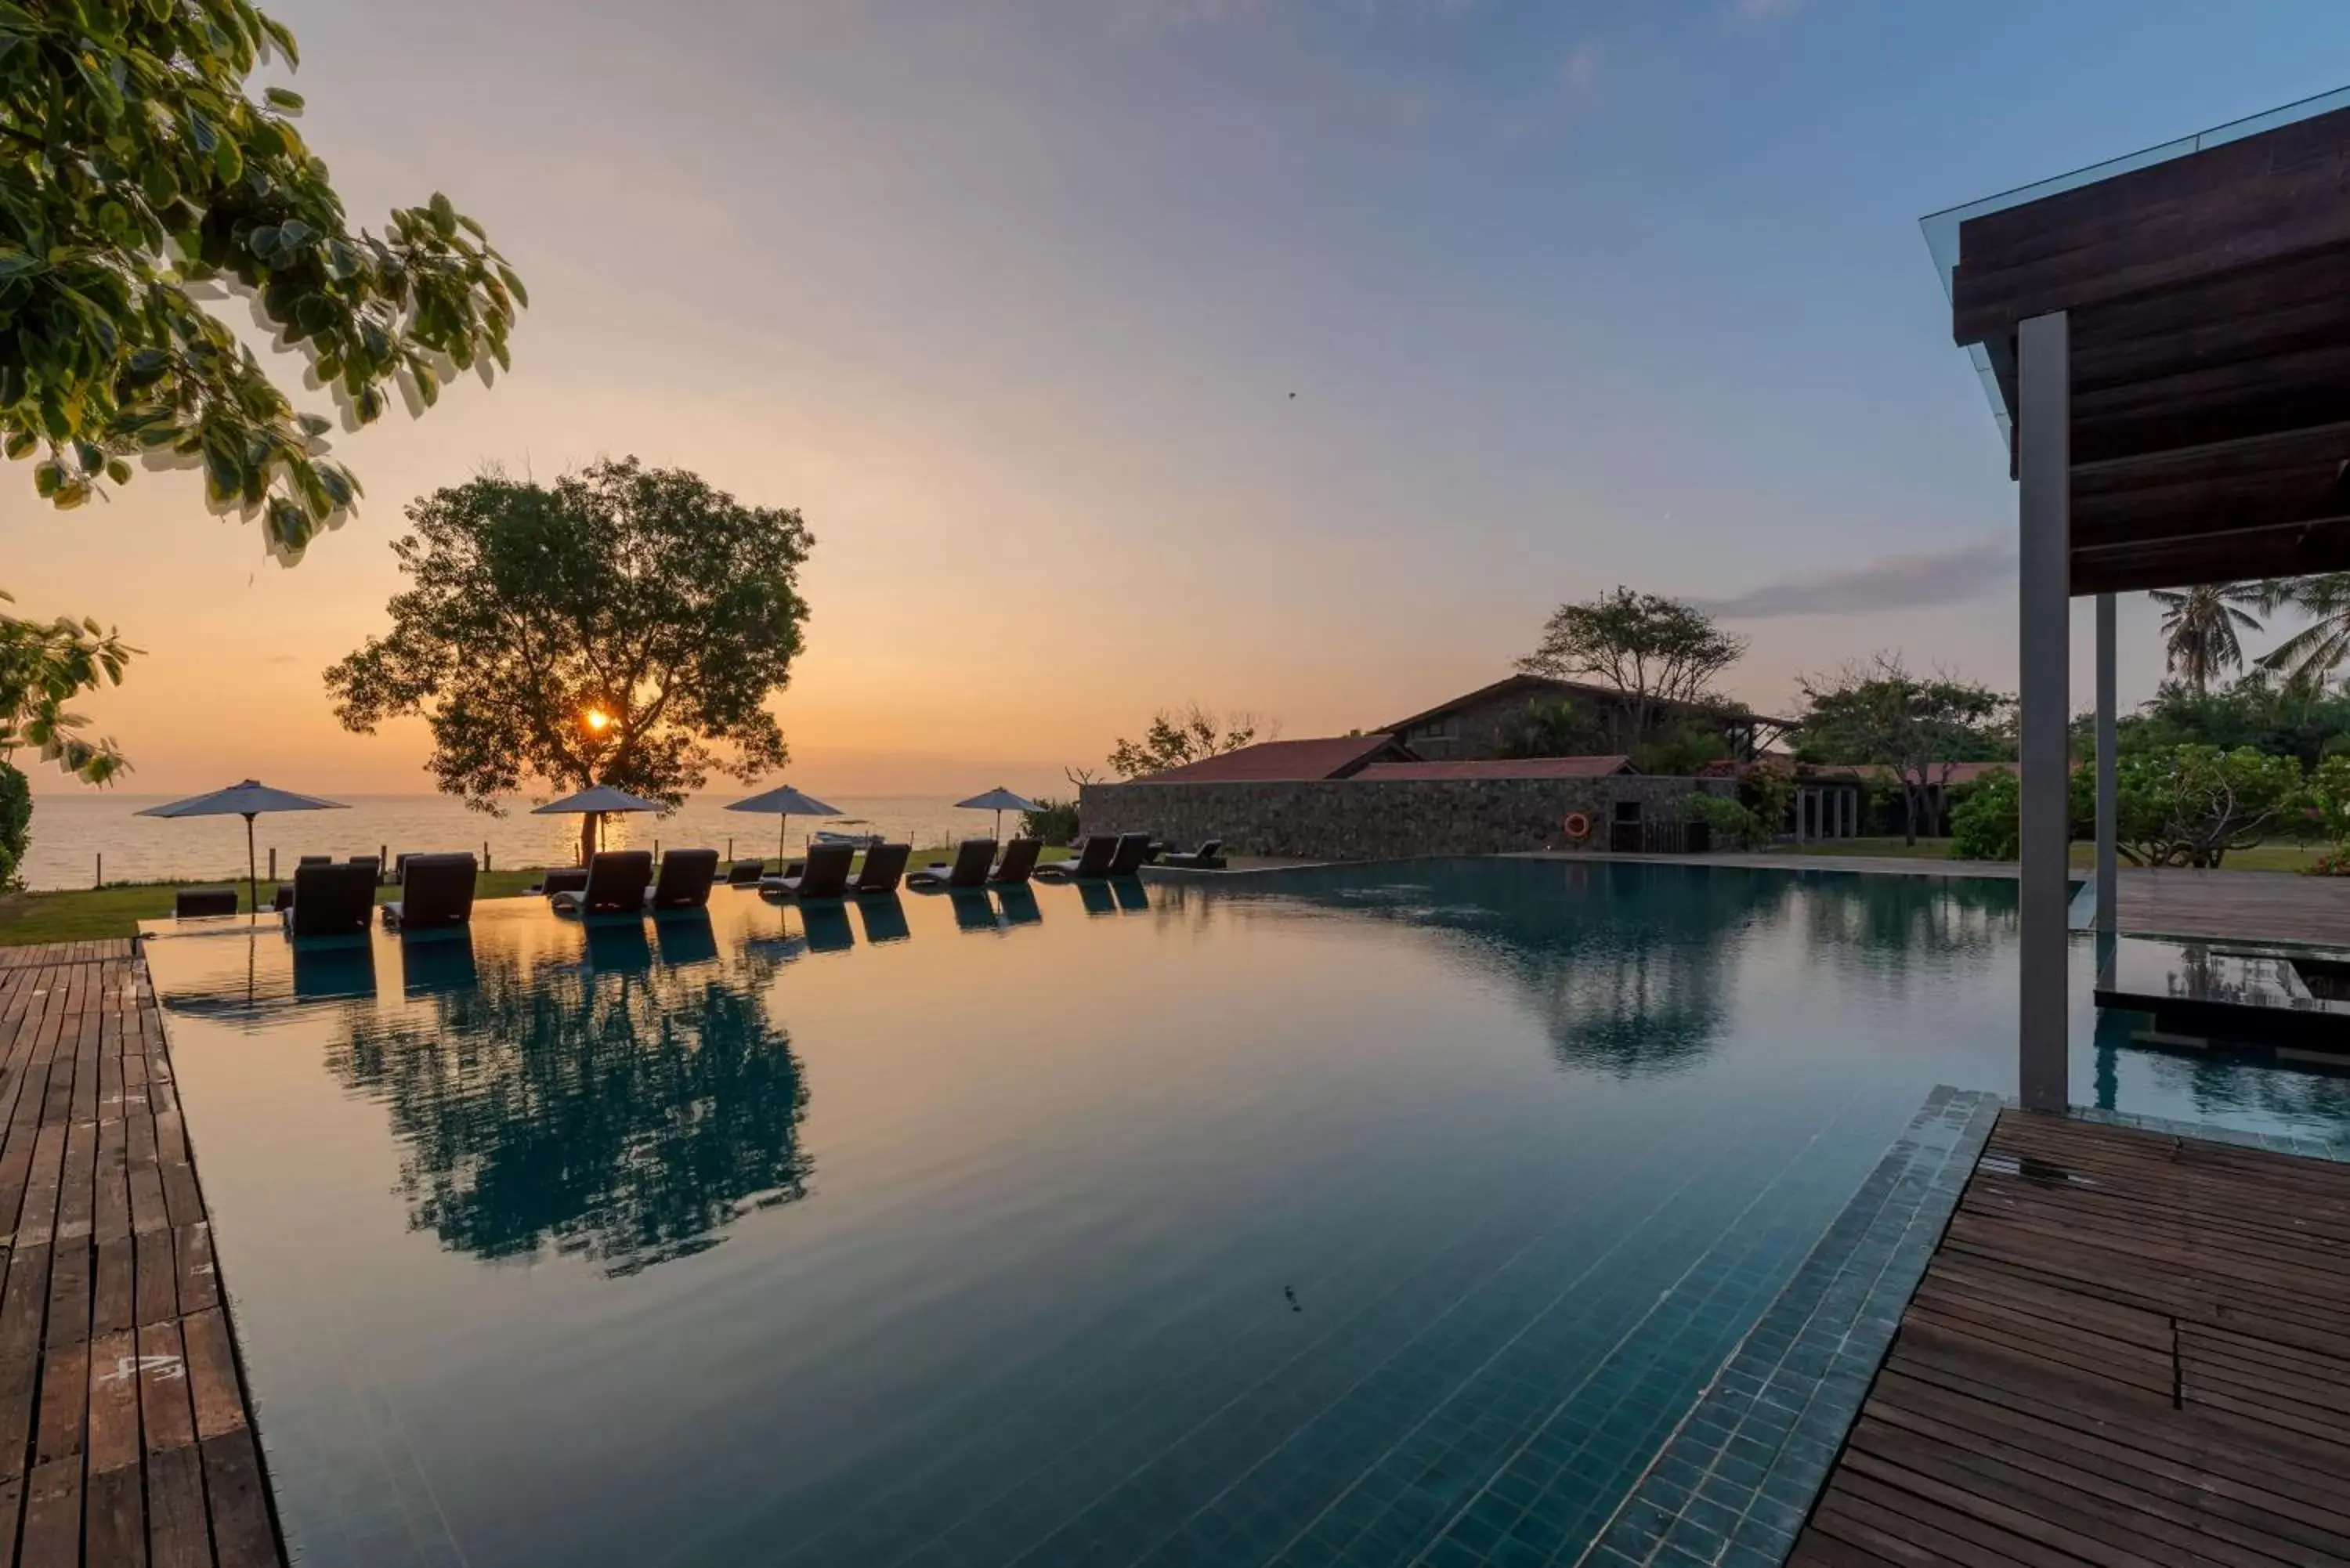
[1056, 823]
[15, 822]
[1732, 825]
[1986, 824]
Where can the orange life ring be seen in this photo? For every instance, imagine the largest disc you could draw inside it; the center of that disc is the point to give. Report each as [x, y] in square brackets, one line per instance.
[1577, 826]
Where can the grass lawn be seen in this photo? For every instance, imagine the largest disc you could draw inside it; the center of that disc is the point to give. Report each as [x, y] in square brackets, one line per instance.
[116, 910]
[2266, 857]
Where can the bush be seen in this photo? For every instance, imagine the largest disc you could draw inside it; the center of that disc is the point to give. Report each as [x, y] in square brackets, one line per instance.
[1987, 822]
[1056, 823]
[1732, 825]
[15, 822]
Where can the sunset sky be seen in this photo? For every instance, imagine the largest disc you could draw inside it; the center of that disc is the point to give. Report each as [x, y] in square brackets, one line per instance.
[1011, 299]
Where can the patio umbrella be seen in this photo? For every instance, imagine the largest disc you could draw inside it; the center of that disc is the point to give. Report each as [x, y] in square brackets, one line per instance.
[591, 805]
[784, 800]
[999, 799]
[247, 800]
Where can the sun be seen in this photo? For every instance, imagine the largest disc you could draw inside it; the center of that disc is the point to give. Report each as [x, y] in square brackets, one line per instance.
[599, 720]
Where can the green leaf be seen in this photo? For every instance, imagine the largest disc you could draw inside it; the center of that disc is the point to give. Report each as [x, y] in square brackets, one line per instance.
[18, 443]
[227, 162]
[444, 216]
[283, 99]
[514, 285]
[119, 472]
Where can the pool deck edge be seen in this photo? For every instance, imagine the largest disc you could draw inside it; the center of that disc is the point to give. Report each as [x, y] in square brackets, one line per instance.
[126, 1427]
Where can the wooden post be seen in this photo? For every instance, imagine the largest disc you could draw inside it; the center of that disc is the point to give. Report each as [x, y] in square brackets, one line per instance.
[273, 863]
[485, 854]
[101, 870]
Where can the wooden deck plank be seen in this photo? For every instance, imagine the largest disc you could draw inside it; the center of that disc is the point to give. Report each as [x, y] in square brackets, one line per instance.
[125, 1430]
[2128, 1348]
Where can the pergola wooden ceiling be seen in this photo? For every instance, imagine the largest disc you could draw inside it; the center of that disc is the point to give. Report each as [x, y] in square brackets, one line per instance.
[2209, 301]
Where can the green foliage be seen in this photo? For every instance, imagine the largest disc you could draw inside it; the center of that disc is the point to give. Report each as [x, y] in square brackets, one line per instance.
[1877, 713]
[137, 175]
[15, 823]
[1986, 820]
[1656, 651]
[640, 595]
[1734, 827]
[1174, 739]
[2189, 805]
[44, 665]
[2303, 661]
[2277, 716]
[1557, 729]
[1767, 792]
[1055, 823]
[1681, 750]
[2199, 627]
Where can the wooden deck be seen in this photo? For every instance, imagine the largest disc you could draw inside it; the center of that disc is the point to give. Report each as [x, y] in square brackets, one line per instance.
[2128, 1348]
[125, 1433]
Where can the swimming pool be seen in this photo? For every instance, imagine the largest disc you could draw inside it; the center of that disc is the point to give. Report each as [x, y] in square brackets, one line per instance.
[1264, 1222]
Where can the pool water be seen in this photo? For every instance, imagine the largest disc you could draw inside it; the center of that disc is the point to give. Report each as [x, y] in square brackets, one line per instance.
[1261, 1222]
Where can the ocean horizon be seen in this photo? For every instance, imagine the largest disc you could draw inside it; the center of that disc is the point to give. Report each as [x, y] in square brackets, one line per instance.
[79, 838]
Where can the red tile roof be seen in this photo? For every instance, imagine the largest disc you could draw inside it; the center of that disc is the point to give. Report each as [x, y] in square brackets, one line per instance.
[1548, 686]
[1500, 768]
[1284, 761]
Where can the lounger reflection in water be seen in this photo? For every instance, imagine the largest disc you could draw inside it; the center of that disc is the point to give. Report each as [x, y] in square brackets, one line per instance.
[885, 918]
[685, 937]
[437, 961]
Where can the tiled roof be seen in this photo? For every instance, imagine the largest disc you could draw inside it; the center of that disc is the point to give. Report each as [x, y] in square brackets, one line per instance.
[1544, 685]
[1502, 768]
[1283, 761]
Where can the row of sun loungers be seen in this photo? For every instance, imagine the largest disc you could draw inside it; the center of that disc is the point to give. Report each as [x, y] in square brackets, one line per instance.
[437, 890]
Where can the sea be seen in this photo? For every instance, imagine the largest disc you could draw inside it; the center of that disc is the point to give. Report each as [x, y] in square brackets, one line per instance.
[79, 841]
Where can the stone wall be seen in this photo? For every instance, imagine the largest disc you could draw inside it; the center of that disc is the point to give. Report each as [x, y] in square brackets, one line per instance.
[1357, 819]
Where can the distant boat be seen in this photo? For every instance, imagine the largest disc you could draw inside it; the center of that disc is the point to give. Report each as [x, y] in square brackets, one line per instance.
[854, 840]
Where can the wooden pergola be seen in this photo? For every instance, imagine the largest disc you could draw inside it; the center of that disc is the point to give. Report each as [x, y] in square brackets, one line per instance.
[2166, 340]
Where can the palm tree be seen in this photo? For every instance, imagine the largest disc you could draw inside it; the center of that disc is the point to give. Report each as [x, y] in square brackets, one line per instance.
[2310, 655]
[2200, 626]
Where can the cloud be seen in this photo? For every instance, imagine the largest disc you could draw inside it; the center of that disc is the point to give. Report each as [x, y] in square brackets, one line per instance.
[1579, 72]
[1890, 582]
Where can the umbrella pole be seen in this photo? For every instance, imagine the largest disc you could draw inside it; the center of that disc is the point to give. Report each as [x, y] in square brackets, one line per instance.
[781, 862]
[252, 879]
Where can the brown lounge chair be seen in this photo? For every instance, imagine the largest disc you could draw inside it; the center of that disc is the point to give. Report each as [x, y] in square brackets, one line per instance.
[884, 865]
[330, 900]
[434, 890]
[826, 875]
[745, 873]
[1018, 863]
[1093, 858]
[1133, 849]
[616, 881]
[973, 859]
[1208, 857]
[685, 880]
[194, 903]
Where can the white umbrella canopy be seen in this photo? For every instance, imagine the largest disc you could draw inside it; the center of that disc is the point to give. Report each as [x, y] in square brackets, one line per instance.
[783, 801]
[247, 799]
[999, 799]
[591, 805]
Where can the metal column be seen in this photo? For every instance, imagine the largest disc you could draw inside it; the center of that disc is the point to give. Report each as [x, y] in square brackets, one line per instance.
[2109, 801]
[2044, 467]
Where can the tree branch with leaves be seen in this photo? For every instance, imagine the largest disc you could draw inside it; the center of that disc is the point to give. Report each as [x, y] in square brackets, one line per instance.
[1188, 735]
[1917, 728]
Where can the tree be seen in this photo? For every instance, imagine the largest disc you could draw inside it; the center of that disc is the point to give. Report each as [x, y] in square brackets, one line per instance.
[1189, 736]
[1656, 651]
[135, 174]
[44, 665]
[1557, 729]
[2200, 626]
[1915, 727]
[613, 629]
[2304, 660]
[2281, 718]
[2188, 805]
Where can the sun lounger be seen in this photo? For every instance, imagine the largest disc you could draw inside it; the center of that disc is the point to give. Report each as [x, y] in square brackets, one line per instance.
[330, 900]
[884, 865]
[1132, 849]
[1093, 858]
[826, 875]
[745, 873]
[434, 890]
[973, 859]
[562, 879]
[1018, 863]
[616, 881]
[194, 903]
[685, 880]
[1208, 857]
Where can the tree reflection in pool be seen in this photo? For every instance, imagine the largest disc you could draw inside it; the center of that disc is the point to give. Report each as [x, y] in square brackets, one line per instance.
[622, 1114]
